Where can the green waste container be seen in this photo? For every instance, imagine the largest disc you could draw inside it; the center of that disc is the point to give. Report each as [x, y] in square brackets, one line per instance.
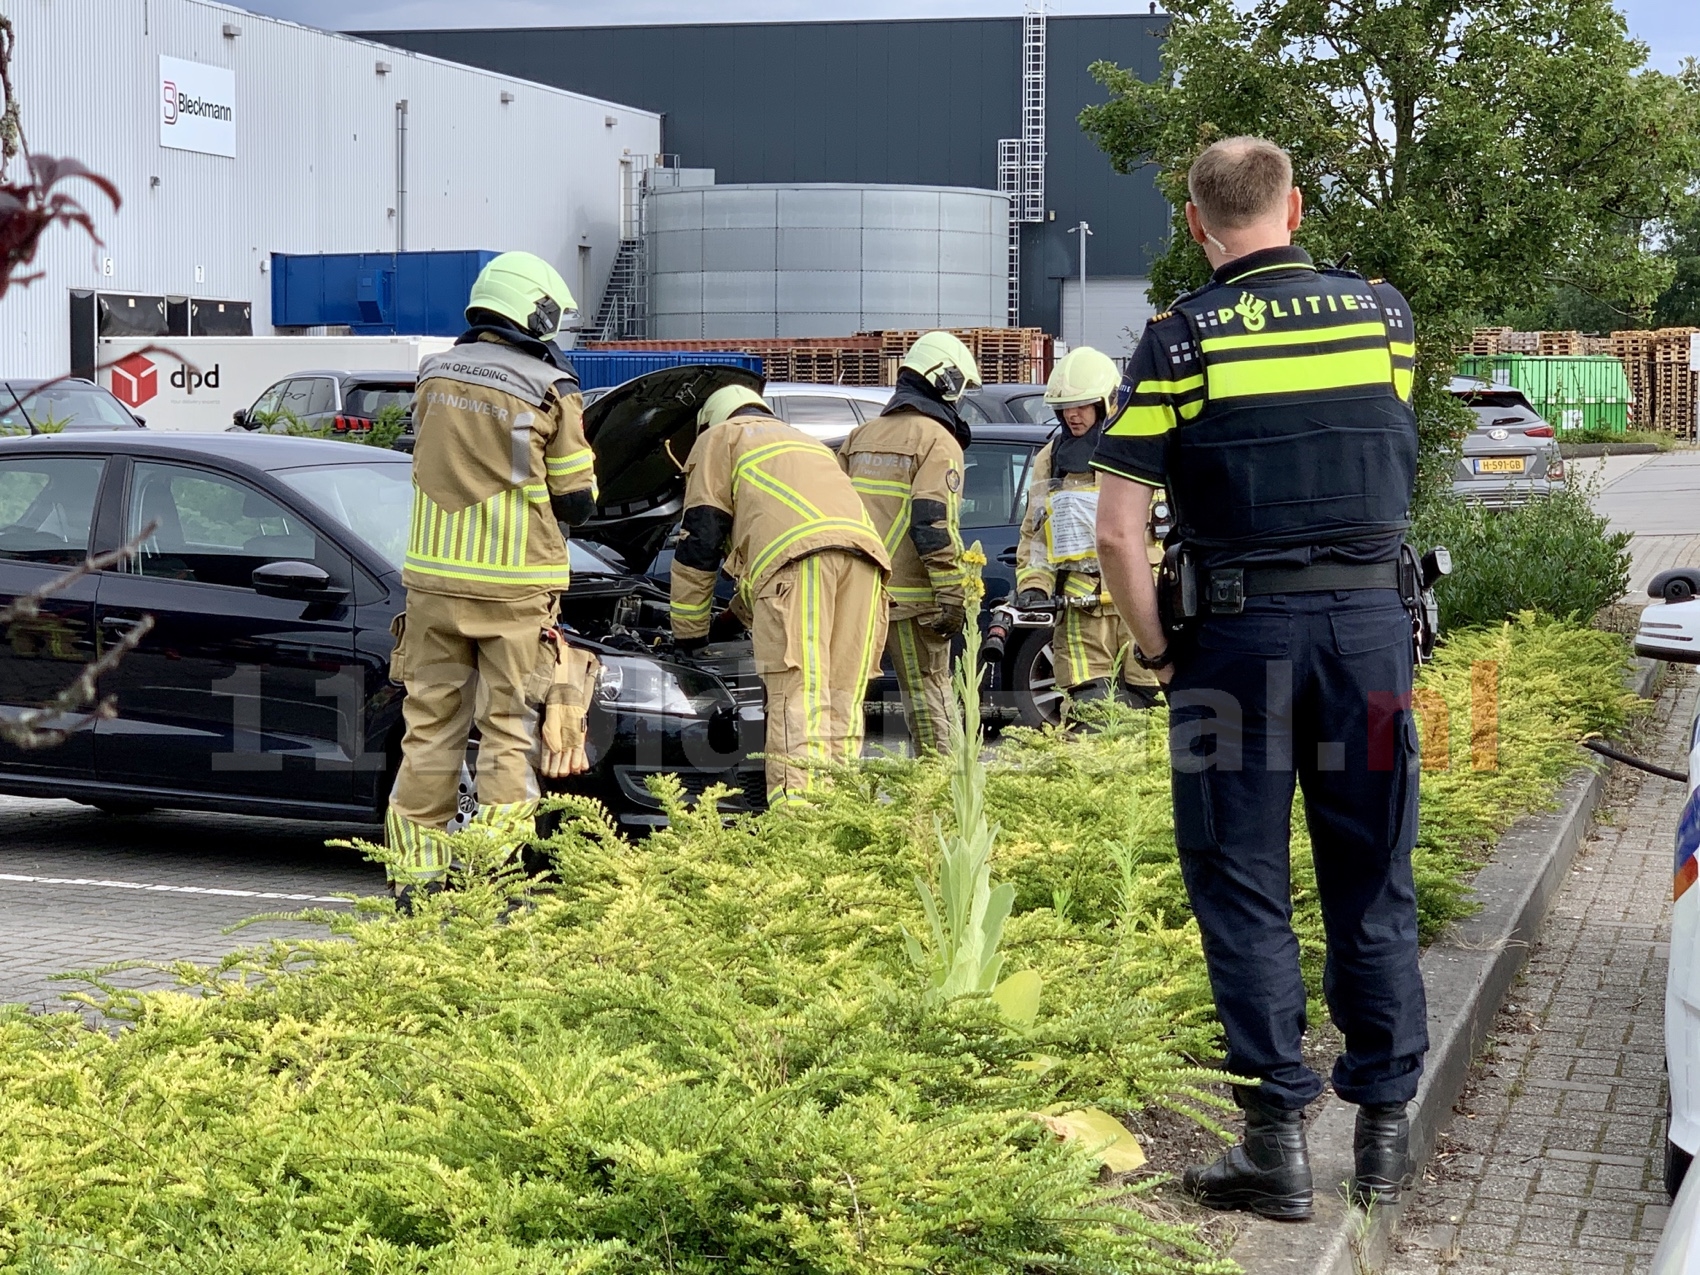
[1569, 391]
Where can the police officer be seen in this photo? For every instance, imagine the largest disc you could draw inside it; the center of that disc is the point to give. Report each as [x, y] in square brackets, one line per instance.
[1274, 404]
[907, 465]
[774, 505]
[499, 459]
[1059, 541]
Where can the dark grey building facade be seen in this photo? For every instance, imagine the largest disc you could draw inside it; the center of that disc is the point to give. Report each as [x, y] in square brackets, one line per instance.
[920, 101]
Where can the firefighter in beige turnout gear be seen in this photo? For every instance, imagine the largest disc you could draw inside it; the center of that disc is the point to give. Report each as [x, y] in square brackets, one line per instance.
[1058, 553]
[773, 504]
[500, 459]
[907, 465]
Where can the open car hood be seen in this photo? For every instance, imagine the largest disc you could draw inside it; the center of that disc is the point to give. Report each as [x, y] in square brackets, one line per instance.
[641, 432]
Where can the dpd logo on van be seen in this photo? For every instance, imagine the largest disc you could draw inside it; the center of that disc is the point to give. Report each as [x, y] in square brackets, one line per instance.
[134, 380]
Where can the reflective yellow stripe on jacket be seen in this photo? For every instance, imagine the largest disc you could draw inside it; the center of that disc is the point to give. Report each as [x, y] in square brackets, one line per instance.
[574, 463]
[484, 542]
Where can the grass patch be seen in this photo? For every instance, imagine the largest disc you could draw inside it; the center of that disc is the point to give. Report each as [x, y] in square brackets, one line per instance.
[712, 1050]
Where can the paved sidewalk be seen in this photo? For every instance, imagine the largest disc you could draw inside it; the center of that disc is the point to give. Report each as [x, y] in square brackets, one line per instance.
[81, 890]
[1554, 1163]
[1656, 500]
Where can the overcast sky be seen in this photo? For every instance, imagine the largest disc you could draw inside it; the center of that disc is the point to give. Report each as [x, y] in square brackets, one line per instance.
[1670, 27]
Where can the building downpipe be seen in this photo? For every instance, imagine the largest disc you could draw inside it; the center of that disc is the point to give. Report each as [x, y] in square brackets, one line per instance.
[401, 175]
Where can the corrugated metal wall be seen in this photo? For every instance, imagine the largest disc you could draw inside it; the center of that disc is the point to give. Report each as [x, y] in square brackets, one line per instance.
[919, 101]
[824, 260]
[315, 164]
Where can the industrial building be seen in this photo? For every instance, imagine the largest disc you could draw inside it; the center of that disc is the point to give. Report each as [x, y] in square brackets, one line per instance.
[986, 104]
[233, 137]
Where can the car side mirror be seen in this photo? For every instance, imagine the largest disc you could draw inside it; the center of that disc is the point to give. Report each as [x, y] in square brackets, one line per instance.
[296, 581]
[240, 418]
[141, 421]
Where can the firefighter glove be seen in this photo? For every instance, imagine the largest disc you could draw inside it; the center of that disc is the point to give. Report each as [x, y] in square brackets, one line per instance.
[1033, 600]
[564, 710]
[950, 621]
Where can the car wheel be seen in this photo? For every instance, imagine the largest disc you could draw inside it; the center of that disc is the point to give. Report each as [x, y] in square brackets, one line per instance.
[1676, 1159]
[1033, 679]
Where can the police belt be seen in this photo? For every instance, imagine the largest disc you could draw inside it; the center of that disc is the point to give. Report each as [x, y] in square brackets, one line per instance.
[1226, 590]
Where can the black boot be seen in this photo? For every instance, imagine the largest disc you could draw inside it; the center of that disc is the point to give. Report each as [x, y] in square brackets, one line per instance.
[1381, 1153]
[1268, 1173]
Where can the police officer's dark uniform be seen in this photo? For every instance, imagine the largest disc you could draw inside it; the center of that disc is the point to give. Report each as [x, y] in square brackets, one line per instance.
[1274, 405]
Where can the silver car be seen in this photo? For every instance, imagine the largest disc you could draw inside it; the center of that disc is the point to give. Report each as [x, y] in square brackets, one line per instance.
[1511, 455]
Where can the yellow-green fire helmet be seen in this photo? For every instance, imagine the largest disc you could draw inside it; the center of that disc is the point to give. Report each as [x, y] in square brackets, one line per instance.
[524, 288]
[724, 401]
[1083, 376]
[945, 362]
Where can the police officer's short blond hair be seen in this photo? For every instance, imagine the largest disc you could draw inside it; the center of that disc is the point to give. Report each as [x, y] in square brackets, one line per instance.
[1239, 180]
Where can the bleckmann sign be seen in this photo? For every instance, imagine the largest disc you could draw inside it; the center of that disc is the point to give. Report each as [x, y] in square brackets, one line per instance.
[197, 107]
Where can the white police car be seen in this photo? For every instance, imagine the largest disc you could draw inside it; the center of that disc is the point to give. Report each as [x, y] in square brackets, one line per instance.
[1671, 631]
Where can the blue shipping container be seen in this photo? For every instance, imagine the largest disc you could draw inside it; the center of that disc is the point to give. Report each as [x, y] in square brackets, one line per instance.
[597, 368]
[376, 293]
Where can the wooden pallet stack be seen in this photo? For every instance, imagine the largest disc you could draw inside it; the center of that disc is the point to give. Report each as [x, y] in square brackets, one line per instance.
[1561, 344]
[1486, 341]
[1676, 386]
[1634, 351]
[1007, 356]
[832, 360]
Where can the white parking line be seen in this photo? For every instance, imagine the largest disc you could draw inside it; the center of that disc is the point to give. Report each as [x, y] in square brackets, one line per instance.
[104, 884]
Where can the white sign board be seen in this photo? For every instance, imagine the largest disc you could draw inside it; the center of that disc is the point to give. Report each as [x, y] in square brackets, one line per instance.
[197, 107]
[196, 383]
[1694, 351]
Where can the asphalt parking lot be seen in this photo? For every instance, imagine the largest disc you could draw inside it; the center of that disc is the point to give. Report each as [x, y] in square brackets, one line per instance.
[80, 890]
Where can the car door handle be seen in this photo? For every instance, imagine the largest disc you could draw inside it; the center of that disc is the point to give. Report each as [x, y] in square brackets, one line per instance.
[1007, 557]
[120, 623]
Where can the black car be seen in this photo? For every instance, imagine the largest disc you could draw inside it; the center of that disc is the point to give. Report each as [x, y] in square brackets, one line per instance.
[343, 402]
[65, 403]
[272, 575]
[1007, 405]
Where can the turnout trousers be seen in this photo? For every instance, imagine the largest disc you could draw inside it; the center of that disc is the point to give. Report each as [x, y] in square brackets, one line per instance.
[1085, 644]
[1317, 687]
[463, 660]
[922, 661]
[818, 627]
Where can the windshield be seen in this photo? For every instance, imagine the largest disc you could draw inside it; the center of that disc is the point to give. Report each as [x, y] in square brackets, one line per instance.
[374, 500]
[369, 400]
[64, 405]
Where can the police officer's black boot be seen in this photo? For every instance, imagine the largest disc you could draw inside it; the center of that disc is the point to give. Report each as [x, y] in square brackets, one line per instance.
[1268, 1173]
[1381, 1153]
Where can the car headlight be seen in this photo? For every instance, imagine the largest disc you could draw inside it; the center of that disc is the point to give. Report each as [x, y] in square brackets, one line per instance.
[638, 684]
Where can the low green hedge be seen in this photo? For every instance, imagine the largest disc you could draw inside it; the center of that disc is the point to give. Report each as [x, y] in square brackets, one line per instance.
[709, 1051]
[1554, 555]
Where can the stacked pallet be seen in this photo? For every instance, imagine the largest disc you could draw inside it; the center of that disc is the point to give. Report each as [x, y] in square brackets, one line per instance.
[1486, 341]
[1676, 386]
[1634, 350]
[1007, 356]
[834, 360]
[1560, 344]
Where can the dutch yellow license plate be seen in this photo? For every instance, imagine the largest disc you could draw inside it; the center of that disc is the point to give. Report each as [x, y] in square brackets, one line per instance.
[1499, 465]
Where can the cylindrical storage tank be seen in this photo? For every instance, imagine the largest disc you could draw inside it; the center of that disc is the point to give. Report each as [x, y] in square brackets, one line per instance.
[776, 260]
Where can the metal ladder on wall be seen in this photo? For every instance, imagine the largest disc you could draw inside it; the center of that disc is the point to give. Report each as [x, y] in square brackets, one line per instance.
[621, 313]
[624, 309]
[1021, 160]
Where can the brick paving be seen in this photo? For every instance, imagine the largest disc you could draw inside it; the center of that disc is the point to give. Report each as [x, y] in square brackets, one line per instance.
[1554, 1162]
[79, 912]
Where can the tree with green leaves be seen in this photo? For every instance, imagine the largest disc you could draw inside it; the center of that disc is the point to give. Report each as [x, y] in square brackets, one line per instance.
[1472, 152]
